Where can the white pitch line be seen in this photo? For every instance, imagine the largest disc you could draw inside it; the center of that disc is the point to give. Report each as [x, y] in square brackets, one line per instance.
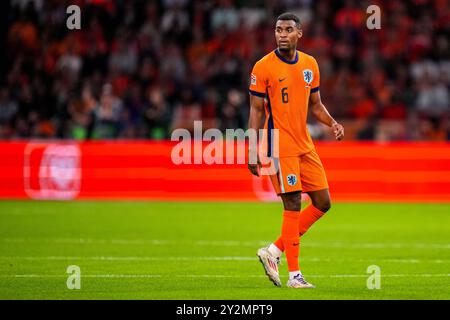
[225, 243]
[118, 258]
[424, 275]
[213, 258]
[84, 276]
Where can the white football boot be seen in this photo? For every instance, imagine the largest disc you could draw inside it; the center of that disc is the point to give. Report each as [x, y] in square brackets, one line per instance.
[299, 283]
[270, 264]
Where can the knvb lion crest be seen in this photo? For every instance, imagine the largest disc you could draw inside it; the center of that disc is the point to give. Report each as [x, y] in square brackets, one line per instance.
[308, 76]
[291, 179]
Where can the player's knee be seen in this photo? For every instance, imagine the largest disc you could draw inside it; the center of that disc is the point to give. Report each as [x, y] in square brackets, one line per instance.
[324, 206]
[292, 206]
[291, 201]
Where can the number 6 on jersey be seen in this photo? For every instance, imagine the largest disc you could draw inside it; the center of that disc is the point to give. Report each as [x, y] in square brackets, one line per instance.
[284, 95]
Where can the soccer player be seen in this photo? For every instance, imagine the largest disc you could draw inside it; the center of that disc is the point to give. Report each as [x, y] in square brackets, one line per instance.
[285, 84]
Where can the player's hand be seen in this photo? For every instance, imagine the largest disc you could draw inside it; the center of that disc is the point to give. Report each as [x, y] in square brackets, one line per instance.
[255, 168]
[338, 130]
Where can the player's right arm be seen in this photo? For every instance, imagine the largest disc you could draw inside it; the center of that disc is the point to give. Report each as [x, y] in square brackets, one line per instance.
[257, 90]
[254, 123]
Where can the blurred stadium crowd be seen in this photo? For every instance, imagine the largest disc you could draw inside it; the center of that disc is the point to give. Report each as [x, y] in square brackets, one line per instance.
[139, 69]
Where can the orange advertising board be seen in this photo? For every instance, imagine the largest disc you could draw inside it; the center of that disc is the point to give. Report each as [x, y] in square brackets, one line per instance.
[67, 170]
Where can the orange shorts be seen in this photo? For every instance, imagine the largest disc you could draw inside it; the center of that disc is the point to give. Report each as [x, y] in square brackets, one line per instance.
[304, 173]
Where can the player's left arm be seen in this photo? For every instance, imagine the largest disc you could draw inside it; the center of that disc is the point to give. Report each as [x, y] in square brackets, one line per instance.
[321, 113]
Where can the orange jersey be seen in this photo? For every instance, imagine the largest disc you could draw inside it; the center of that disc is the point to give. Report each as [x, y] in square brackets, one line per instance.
[286, 85]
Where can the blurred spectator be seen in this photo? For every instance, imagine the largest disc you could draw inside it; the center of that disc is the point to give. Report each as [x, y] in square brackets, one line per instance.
[70, 62]
[107, 115]
[433, 98]
[433, 129]
[8, 112]
[225, 15]
[186, 111]
[82, 115]
[157, 114]
[175, 23]
[233, 114]
[364, 106]
[123, 58]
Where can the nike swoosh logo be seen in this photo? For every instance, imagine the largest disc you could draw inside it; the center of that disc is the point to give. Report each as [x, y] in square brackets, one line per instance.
[281, 79]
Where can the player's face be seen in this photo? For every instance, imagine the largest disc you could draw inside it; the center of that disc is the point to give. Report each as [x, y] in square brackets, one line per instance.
[287, 35]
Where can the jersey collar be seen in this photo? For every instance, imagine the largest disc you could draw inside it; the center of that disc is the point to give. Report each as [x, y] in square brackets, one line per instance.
[286, 60]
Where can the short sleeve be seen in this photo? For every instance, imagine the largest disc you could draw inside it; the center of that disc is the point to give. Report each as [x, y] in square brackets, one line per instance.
[315, 84]
[258, 80]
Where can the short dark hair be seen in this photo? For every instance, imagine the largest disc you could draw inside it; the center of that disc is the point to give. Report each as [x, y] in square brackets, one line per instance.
[290, 16]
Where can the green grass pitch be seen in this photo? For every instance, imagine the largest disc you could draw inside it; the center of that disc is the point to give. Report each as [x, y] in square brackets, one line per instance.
[196, 250]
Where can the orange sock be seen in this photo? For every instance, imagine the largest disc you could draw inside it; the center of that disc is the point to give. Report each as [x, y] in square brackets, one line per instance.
[290, 238]
[308, 216]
